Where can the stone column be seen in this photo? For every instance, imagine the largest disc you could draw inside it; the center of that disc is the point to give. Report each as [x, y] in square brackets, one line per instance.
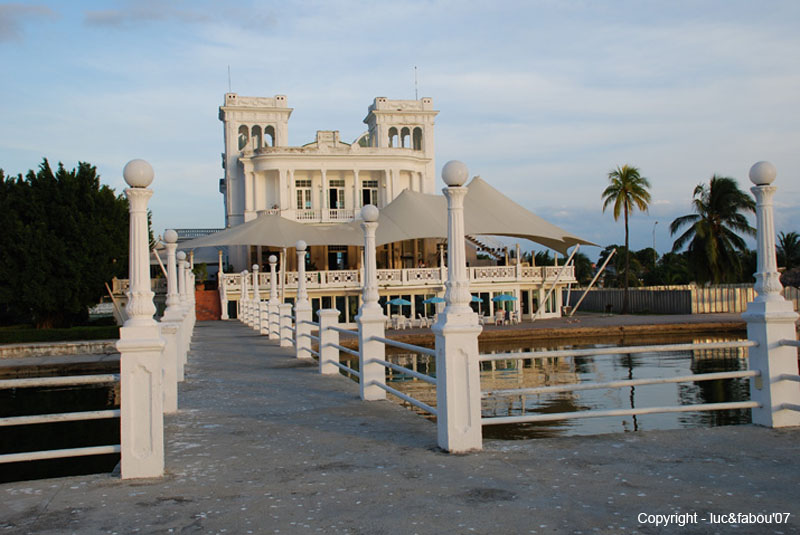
[302, 307]
[458, 389]
[273, 322]
[328, 339]
[184, 308]
[240, 308]
[171, 328]
[770, 318]
[223, 291]
[256, 301]
[140, 345]
[371, 320]
[245, 299]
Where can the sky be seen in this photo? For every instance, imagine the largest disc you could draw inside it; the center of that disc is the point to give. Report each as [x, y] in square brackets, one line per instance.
[541, 98]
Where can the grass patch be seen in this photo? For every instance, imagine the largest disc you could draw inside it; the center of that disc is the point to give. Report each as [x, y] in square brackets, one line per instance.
[25, 334]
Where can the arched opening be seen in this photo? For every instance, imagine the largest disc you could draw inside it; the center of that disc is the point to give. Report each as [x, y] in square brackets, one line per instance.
[256, 137]
[418, 138]
[244, 136]
[269, 136]
[393, 137]
[405, 137]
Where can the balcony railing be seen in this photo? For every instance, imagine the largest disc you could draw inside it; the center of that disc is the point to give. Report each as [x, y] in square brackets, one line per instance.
[411, 278]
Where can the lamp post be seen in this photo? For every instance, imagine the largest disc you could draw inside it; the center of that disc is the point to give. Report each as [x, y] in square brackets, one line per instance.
[302, 307]
[770, 319]
[655, 254]
[140, 345]
[371, 321]
[458, 376]
[272, 306]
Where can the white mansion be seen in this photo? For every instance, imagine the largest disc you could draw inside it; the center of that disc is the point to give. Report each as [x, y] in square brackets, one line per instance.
[328, 180]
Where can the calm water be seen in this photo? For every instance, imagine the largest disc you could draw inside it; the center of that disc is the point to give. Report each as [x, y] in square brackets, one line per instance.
[570, 370]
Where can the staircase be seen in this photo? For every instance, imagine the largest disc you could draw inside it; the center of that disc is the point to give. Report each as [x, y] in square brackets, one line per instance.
[488, 245]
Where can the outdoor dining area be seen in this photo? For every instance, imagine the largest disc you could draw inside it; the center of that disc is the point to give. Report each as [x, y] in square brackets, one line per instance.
[401, 315]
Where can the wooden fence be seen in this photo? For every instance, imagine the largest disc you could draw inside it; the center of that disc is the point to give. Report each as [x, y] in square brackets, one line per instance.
[688, 299]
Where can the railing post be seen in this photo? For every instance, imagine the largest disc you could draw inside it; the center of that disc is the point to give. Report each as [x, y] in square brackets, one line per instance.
[184, 308]
[770, 319]
[370, 319]
[171, 325]
[273, 322]
[223, 290]
[245, 299]
[328, 354]
[302, 307]
[458, 388]
[285, 311]
[256, 301]
[140, 345]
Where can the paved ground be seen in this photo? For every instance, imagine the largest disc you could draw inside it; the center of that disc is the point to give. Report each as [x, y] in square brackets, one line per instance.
[263, 444]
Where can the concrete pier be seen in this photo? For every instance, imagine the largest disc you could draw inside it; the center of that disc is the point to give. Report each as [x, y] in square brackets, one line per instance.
[262, 443]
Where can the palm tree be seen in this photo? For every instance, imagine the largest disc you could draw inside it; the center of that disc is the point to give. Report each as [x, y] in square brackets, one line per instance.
[788, 249]
[714, 245]
[627, 191]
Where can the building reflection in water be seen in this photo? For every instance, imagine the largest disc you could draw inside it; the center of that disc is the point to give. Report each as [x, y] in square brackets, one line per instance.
[512, 374]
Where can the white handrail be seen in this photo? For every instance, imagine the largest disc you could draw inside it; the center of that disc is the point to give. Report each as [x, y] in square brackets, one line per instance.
[788, 377]
[618, 412]
[57, 454]
[346, 350]
[68, 380]
[343, 330]
[616, 350]
[401, 345]
[623, 383]
[347, 369]
[407, 371]
[59, 417]
[415, 402]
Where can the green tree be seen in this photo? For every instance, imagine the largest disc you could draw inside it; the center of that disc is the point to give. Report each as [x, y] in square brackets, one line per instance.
[671, 269]
[714, 245]
[65, 235]
[627, 191]
[788, 250]
[584, 271]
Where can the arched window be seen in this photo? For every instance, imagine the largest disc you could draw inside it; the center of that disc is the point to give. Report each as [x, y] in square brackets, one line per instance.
[418, 138]
[269, 136]
[244, 136]
[405, 135]
[256, 137]
[393, 137]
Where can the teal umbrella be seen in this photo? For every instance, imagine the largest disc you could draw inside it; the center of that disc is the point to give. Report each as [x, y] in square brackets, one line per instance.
[399, 301]
[434, 300]
[476, 299]
[504, 297]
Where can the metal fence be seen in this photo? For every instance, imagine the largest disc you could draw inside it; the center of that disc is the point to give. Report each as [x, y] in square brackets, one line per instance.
[688, 299]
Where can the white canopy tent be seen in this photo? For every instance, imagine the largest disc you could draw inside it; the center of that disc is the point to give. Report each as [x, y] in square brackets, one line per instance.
[411, 215]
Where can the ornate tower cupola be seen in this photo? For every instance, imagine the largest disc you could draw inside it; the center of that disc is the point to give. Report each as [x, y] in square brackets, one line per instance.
[250, 123]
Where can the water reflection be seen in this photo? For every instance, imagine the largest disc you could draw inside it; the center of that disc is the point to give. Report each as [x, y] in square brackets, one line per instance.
[512, 374]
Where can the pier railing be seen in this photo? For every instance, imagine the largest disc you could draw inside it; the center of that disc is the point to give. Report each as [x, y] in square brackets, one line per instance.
[771, 345]
[33, 419]
[611, 385]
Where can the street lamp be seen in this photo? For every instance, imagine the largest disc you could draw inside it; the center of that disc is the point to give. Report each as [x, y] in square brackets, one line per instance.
[655, 254]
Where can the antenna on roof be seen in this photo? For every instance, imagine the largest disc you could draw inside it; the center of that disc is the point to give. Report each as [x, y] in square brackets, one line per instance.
[229, 79]
[416, 89]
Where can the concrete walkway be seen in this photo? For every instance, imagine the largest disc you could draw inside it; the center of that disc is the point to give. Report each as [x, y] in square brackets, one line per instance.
[264, 444]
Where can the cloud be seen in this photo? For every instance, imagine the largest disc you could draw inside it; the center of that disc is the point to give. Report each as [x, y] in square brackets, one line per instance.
[14, 16]
[135, 14]
[142, 12]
